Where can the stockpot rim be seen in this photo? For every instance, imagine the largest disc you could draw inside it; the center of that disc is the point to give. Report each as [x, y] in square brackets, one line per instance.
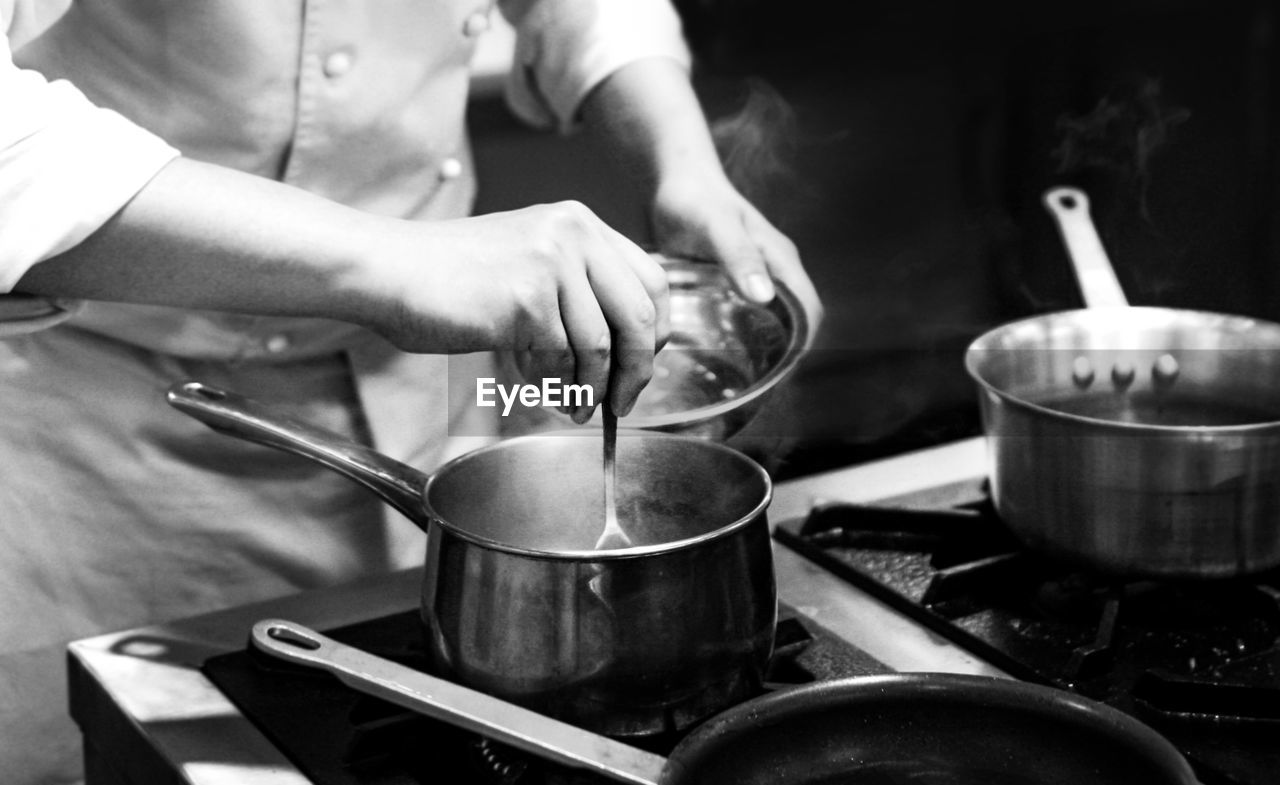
[983, 343]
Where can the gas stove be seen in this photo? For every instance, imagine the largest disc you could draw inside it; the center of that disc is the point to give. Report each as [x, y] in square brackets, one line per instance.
[151, 712]
[894, 565]
[1198, 661]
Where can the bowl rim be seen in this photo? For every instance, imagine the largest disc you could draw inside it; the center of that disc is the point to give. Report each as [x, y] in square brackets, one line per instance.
[785, 304]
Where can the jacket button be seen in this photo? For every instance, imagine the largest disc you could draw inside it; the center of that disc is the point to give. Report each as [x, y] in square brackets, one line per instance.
[476, 24]
[337, 64]
[276, 344]
[450, 169]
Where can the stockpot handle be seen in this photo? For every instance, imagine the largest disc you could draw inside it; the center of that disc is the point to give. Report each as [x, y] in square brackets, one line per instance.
[457, 705]
[1094, 273]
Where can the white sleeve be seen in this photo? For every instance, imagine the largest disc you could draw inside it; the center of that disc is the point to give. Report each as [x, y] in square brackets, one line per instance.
[564, 48]
[66, 166]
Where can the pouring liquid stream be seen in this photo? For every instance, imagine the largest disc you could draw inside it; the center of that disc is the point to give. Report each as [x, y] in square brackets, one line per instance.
[613, 537]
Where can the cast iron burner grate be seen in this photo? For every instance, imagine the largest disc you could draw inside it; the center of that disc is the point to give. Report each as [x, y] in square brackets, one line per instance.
[1198, 660]
[336, 736]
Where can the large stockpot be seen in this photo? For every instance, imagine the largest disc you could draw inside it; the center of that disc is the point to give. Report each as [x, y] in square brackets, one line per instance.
[898, 729]
[1140, 441]
[518, 604]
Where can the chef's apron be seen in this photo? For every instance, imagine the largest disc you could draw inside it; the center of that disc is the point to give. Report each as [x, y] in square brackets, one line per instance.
[117, 511]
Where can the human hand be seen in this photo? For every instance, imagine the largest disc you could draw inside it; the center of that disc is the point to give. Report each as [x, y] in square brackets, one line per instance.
[552, 283]
[573, 298]
[705, 217]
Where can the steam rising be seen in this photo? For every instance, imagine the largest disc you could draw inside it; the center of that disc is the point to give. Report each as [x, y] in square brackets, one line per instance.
[1121, 134]
[757, 143]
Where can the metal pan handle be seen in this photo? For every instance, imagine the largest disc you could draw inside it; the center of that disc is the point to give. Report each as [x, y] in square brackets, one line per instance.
[1094, 273]
[399, 484]
[457, 705]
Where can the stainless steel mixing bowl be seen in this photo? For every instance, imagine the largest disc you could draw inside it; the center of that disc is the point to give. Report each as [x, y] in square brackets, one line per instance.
[724, 358]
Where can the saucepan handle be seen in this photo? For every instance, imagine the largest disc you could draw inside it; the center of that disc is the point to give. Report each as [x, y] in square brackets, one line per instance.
[1094, 273]
[457, 705]
[399, 484]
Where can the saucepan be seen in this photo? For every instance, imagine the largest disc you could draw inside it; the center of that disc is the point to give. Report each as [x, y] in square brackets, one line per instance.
[518, 602]
[922, 729]
[1139, 441]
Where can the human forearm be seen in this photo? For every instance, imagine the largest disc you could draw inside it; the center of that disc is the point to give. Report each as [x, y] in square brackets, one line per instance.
[650, 117]
[649, 114]
[551, 282]
[204, 236]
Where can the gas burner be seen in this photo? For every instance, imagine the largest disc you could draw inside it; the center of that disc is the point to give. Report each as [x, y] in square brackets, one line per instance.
[1198, 660]
[793, 663]
[502, 765]
[1073, 597]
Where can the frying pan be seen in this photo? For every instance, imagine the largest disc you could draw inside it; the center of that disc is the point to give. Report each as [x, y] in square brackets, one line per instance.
[1138, 441]
[923, 729]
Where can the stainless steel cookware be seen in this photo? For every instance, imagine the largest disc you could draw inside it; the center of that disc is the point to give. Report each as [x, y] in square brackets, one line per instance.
[1138, 440]
[899, 728]
[725, 357]
[519, 603]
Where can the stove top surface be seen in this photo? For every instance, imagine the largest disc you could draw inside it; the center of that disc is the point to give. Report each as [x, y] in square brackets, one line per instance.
[336, 736]
[1198, 661]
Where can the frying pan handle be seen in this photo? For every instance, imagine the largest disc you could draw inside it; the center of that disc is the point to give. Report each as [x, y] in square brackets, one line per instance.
[1094, 273]
[398, 484]
[457, 705]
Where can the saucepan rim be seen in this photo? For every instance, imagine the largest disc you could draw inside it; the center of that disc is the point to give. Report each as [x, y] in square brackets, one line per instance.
[757, 511]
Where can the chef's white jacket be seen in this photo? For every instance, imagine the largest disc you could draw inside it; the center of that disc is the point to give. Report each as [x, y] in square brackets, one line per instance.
[116, 511]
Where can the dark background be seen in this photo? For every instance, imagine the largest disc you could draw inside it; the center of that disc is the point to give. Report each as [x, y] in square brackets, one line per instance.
[905, 146]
